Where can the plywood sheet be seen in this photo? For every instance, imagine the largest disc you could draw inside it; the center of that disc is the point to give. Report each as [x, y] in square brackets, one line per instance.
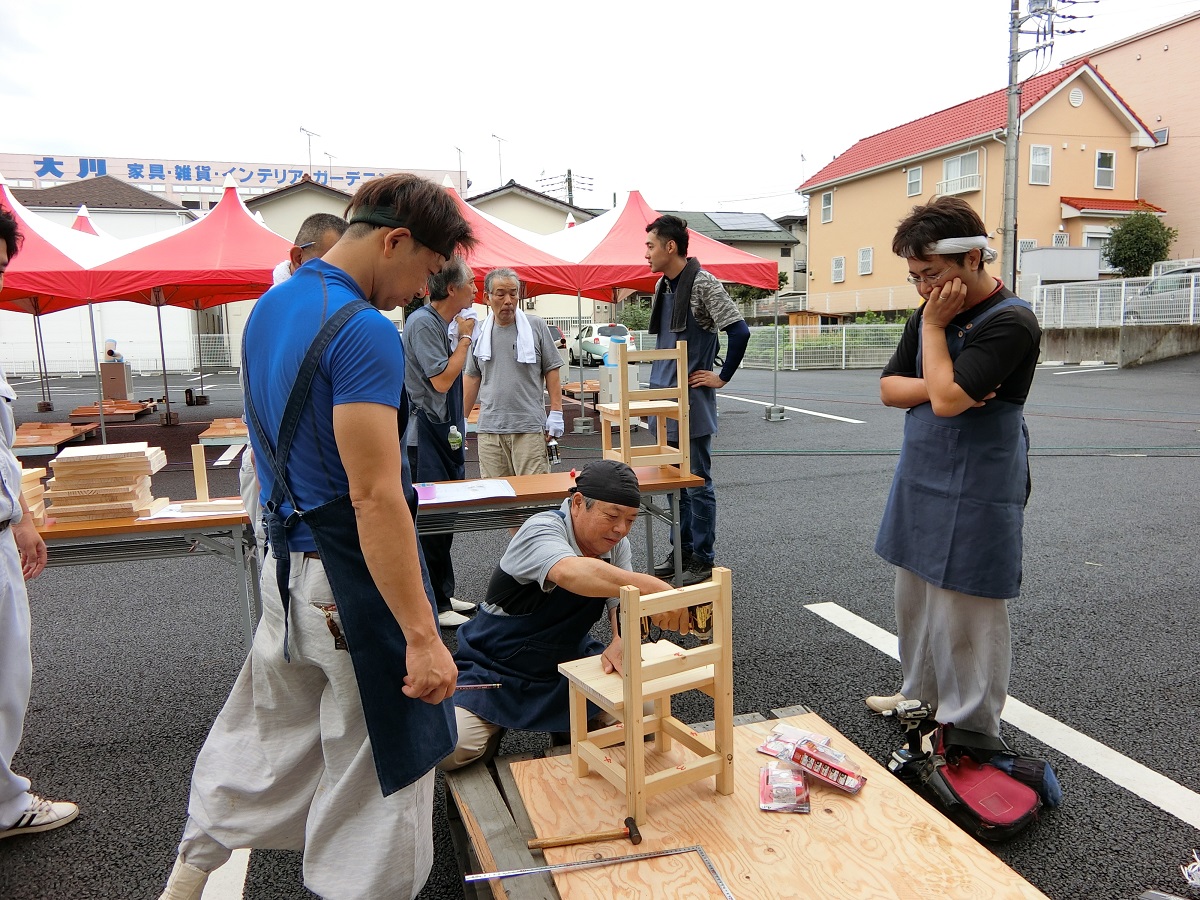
[151, 506]
[885, 842]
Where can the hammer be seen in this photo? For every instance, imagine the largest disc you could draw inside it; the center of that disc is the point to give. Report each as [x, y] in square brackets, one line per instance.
[629, 830]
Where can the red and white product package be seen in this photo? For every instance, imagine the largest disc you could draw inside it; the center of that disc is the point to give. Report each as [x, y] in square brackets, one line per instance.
[783, 740]
[783, 789]
[828, 765]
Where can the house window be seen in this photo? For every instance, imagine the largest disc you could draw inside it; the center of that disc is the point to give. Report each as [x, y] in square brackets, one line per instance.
[785, 252]
[1106, 169]
[1099, 238]
[1062, 239]
[914, 181]
[1161, 135]
[960, 174]
[838, 275]
[826, 207]
[1039, 164]
[866, 260]
[1022, 245]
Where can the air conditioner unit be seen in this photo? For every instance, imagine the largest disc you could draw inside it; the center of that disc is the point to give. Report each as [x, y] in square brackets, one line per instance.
[531, 303]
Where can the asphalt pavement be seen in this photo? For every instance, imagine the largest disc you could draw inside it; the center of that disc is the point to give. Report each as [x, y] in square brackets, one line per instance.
[133, 660]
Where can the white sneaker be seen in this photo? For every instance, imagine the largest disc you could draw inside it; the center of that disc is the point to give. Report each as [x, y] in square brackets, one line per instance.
[461, 605]
[881, 704]
[41, 815]
[451, 619]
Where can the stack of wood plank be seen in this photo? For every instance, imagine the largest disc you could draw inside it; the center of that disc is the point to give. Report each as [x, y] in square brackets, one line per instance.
[34, 493]
[114, 411]
[111, 481]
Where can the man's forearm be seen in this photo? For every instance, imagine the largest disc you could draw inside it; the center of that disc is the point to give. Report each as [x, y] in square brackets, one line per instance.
[554, 389]
[444, 380]
[595, 578]
[903, 392]
[937, 369]
[470, 393]
[389, 545]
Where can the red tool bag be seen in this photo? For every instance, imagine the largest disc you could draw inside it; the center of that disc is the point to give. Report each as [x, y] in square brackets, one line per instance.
[984, 800]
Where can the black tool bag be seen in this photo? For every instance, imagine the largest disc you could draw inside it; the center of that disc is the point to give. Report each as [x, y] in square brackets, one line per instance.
[956, 774]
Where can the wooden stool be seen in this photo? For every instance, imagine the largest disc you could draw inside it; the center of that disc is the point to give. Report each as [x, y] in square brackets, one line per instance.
[653, 673]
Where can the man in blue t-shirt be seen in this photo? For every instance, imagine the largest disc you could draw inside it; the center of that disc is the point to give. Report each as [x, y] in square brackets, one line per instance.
[330, 734]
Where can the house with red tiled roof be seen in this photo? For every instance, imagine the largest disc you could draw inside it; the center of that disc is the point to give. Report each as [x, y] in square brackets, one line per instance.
[1078, 159]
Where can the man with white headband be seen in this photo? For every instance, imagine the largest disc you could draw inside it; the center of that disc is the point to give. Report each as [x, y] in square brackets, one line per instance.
[952, 525]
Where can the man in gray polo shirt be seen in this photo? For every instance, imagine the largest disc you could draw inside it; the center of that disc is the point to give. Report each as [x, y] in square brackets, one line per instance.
[512, 358]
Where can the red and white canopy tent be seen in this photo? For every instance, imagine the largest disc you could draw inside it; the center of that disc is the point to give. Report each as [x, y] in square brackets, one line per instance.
[49, 272]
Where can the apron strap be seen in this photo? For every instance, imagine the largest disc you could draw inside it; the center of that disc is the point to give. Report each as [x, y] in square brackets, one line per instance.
[277, 456]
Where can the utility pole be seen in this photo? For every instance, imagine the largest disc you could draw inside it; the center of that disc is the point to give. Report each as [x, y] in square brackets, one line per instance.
[462, 188]
[569, 182]
[500, 156]
[1046, 14]
[311, 135]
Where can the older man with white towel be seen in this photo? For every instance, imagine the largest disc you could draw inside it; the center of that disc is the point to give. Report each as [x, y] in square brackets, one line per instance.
[513, 357]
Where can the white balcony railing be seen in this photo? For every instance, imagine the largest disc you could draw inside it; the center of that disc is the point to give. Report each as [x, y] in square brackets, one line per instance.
[964, 184]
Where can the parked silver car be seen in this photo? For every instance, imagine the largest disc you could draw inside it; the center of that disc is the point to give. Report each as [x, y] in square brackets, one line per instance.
[1170, 298]
[592, 342]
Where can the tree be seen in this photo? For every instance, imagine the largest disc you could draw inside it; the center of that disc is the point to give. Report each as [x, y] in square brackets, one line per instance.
[745, 296]
[635, 314]
[1138, 243]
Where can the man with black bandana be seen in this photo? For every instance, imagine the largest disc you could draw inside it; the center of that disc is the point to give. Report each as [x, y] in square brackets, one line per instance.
[559, 573]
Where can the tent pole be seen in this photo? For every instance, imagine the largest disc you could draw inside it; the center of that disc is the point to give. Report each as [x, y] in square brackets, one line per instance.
[162, 346]
[199, 349]
[99, 380]
[47, 404]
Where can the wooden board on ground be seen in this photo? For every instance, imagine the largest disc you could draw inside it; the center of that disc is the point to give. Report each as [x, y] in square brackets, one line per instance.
[883, 842]
[114, 411]
[225, 431]
[44, 437]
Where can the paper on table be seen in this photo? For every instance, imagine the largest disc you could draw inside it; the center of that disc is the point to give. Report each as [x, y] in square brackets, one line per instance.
[175, 511]
[479, 489]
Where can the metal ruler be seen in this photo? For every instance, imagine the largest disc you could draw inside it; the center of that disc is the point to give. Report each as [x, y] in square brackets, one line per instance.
[608, 861]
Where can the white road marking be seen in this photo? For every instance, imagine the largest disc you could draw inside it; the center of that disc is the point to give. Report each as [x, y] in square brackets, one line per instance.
[1122, 771]
[229, 881]
[796, 409]
[1084, 370]
[230, 454]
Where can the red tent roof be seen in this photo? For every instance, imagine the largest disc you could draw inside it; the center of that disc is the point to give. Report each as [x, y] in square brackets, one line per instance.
[43, 278]
[615, 256]
[227, 255]
[940, 129]
[541, 272]
[83, 221]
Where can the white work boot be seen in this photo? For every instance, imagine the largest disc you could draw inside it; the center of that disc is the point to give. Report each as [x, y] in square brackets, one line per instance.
[186, 882]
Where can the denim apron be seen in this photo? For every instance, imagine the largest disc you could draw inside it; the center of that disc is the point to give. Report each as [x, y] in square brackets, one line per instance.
[408, 736]
[957, 503]
[523, 652]
[702, 347]
[436, 461]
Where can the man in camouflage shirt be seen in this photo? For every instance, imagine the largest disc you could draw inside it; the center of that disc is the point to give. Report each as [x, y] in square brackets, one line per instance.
[691, 305]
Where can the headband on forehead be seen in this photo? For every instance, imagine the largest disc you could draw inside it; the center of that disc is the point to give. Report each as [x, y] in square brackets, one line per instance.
[961, 245]
[383, 217]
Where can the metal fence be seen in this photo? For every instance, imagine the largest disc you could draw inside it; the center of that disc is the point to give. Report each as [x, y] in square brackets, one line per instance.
[1168, 299]
[74, 358]
[811, 346]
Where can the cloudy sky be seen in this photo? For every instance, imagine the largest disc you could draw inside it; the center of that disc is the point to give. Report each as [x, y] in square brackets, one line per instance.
[721, 106]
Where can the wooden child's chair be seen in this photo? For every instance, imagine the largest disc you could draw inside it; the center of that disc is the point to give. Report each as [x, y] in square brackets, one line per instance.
[653, 673]
[666, 403]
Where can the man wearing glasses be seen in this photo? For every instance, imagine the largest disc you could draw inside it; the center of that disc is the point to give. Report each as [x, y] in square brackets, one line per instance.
[513, 356]
[952, 525]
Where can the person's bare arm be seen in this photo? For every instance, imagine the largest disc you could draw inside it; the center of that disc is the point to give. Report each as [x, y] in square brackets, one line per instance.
[469, 394]
[369, 445]
[590, 577]
[554, 389]
[903, 392]
[444, 380]
[945, 394]
[30, 546]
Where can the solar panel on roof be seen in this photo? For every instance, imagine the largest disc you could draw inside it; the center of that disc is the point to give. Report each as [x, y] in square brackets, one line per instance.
[736, 221]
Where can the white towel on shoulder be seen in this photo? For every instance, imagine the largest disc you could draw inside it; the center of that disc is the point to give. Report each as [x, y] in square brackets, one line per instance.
[526, 346]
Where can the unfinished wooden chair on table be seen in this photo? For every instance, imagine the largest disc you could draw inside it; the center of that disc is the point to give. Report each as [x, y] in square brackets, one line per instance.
[654, 673]
[666, 403]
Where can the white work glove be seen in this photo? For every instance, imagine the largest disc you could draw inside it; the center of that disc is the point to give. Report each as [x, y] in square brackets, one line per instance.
[554, 423]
